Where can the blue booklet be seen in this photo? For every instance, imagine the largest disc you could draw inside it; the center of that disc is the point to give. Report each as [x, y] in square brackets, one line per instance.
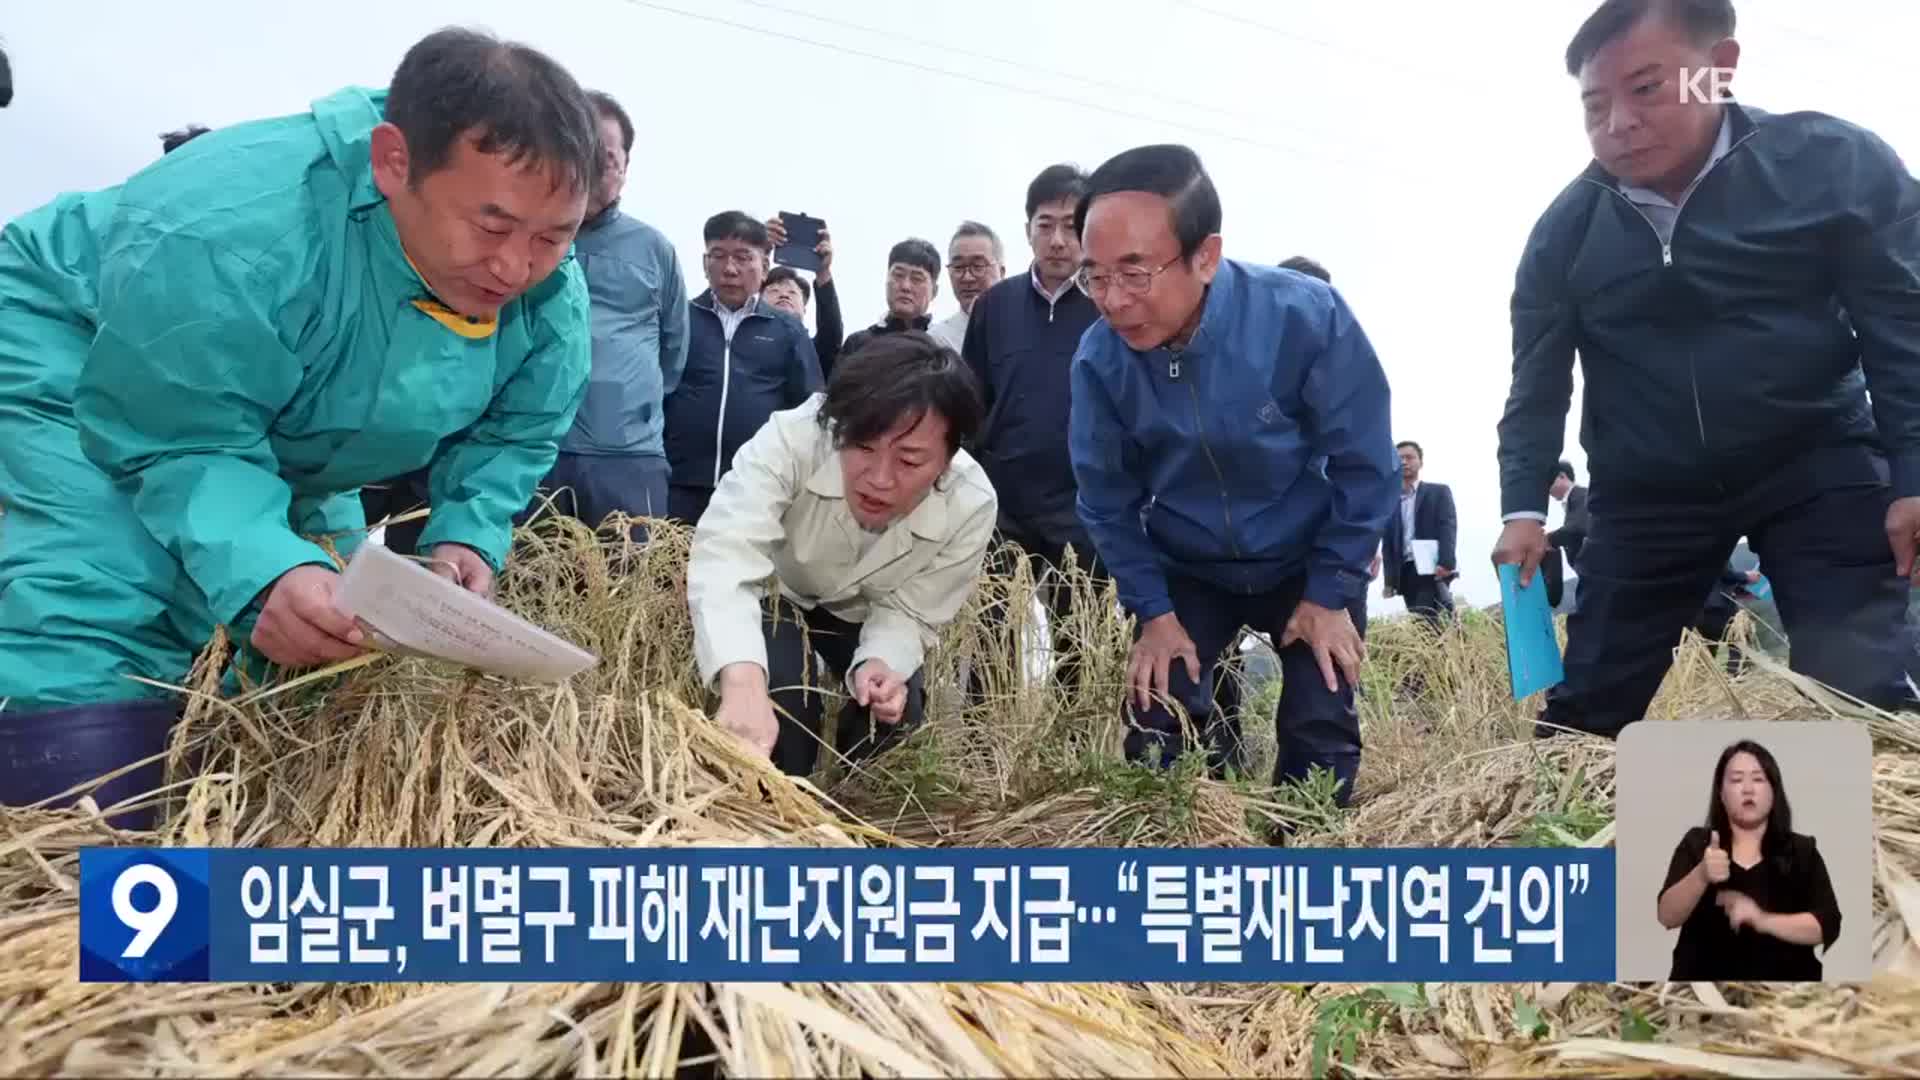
[1533, 651]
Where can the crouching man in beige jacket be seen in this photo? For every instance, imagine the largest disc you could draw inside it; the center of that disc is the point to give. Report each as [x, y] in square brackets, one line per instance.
[874, 524]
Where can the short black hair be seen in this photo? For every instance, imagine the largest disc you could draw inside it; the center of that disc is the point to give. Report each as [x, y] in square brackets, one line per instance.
[516, 99]
[6, 80]
[736, 225]
[607, 106]
[1054, 183]
[1309, 267]
[896, 376]
[1705, 22]
[1415, 445]
[787, 273]
[916, 252]
[174, 140]
[1171, 171]
[1565, 468]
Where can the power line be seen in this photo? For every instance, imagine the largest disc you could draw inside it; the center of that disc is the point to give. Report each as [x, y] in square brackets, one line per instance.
[1375, 165]
[1372, 60]
[924, 43]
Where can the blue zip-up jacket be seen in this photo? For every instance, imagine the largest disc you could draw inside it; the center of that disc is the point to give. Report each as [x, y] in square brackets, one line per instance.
[1221, 445]
[731, 385]
[1789, 292]
[639, 336]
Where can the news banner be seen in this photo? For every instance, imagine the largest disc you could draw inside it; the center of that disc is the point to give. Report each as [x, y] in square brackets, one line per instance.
[845, 915]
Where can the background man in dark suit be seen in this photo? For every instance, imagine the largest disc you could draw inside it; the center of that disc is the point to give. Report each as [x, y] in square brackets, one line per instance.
[1573, 523]
[1425, 513]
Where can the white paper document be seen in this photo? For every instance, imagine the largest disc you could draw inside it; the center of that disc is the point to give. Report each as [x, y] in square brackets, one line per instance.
[1426, 557]
[410, 609]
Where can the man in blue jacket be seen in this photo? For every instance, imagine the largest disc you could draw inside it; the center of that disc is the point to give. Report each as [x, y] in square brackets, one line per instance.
[746, 360]
[615, 459]
[1736, 284]
[1230, 437]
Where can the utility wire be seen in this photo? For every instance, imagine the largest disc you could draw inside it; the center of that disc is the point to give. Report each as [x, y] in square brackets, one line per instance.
[1024, 65]
[1373, 165]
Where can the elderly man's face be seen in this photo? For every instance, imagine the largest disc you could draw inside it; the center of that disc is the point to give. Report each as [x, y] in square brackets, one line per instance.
[972, 268]
[1133, 270]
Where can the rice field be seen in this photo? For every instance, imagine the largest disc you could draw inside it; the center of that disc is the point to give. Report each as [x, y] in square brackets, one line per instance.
[402, 752]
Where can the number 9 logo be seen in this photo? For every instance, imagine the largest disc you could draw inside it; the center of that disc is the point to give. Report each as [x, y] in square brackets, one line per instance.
[147, 925]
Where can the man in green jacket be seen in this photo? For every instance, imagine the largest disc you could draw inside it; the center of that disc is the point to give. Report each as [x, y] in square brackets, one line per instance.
[200, 367]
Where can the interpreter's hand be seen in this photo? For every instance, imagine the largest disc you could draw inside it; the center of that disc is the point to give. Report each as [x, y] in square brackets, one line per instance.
[882, 690]
[1903, 535]
[1373, 571]
[1523, 543]
[1715, 863]
[1443, 573]
[1335, 642]
[1741, 910]
[463, 566]
[1162, 641]
[746, 709]
[299, 626]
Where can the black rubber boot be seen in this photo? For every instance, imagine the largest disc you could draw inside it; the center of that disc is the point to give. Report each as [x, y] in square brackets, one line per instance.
[46, 752]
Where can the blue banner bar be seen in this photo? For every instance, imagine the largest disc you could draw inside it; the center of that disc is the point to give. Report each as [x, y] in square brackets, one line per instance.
[846, 915]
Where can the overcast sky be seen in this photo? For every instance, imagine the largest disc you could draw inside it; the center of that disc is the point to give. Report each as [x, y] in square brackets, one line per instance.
[1409, 146]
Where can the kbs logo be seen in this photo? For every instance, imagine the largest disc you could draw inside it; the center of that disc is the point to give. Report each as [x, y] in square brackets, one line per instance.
[1706, 86]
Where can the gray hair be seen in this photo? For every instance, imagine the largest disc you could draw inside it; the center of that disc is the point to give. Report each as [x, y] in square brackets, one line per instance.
[975, 228]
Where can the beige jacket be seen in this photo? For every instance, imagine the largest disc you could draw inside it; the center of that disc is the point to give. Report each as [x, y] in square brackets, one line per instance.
[781, 512]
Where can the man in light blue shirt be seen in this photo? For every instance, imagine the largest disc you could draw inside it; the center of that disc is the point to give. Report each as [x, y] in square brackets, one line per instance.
[614, 459]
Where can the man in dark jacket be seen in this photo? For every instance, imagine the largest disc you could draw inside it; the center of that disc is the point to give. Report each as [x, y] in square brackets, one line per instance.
[1425, 513]
[615, 459]
[1574, 519]
[1735, 283]
[1229, 438]
[1021, 337]
[913, 280]
[746, 361]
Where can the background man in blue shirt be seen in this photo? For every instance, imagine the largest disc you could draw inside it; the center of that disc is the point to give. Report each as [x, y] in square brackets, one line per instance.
[1230, 436]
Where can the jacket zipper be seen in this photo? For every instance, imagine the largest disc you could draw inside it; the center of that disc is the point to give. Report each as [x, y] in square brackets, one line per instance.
[1199, 427]
[726, 382]
[1666, 260]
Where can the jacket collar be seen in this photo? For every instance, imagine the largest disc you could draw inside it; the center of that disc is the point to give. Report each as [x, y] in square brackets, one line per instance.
[1737, 124]
[892, 324]
[927, 521]
[1216, 314]
[706, 301]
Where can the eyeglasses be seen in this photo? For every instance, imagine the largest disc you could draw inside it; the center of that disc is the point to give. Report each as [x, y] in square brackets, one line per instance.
[735, 258]
[972, 268]
[1133, 280]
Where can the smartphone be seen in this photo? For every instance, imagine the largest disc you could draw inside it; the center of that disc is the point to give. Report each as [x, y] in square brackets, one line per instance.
[803, 234]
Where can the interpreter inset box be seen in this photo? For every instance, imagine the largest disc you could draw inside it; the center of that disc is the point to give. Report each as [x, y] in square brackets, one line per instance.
[1744, 852]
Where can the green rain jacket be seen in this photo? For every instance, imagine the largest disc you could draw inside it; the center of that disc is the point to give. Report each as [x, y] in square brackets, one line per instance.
[260, 351]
